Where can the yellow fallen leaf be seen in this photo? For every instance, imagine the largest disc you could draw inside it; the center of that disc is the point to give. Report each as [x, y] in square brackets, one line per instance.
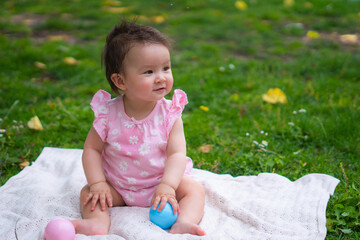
[24, 164]
[117, 10]
[70, 61]
[52, 105]
[111, 3]
[28, 22]
[157, 19]
[141, 18]
[234, 97]
[289, 3]
[35, 123]
[241, 5]
[312, 34]
[275, 95]
[205, 148]
[40, 65]
[308, 5]
[206, 109]
[62, 37]
[349, 38]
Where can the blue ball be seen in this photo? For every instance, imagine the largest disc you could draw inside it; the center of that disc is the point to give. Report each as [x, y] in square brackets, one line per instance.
[164, 219]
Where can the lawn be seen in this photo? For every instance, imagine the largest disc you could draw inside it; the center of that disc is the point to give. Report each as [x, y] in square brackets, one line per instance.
[226, 56]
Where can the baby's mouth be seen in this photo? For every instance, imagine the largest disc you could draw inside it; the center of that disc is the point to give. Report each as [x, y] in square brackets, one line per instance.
[159, 89]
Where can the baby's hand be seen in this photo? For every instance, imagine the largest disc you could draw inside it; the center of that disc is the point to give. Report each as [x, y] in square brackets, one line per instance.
[165, 193]
[99, 192]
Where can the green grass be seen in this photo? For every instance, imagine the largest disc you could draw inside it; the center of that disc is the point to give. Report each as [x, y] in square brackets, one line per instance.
[266, 44]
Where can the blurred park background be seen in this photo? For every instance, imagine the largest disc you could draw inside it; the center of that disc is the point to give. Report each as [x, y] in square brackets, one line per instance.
[273, 85]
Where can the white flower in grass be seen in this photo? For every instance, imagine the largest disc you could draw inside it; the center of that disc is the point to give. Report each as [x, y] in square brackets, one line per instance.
[128, 124]
[117, 146]
[221, 69]
[123, 165]
[144, 149]
[291, 124]
[131, 180]
[255, 142]
[302, 111]
[136, 162]
[133, 140]
[247, 134]
[262, 132]
[130, 196]
[264, 143]
[144, 174]
[294, 112]
[231, 66]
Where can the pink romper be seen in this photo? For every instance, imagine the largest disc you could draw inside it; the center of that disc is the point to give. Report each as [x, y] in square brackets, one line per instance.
[134, 154]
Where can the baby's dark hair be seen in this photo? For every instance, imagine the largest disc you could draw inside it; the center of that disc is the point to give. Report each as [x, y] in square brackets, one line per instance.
[121, 39]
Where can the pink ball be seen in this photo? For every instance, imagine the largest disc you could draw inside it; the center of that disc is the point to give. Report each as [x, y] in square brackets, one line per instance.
[59, 229]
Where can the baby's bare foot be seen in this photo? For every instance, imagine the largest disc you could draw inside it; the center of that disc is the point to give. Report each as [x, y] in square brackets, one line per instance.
[185, 227]
[90, 227]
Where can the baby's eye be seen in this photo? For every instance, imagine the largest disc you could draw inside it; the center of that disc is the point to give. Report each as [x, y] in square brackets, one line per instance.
[166, 68]
[148, 72]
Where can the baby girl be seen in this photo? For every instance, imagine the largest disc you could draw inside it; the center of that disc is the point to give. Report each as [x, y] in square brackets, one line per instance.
[135, 151]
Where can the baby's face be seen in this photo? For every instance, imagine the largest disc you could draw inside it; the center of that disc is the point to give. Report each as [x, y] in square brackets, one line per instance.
[147, 72]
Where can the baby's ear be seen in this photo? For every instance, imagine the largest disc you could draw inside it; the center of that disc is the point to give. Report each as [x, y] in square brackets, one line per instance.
[118, 80]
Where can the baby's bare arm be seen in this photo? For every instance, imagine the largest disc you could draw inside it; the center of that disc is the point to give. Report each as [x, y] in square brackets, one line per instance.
[92, 164]
[174, 168]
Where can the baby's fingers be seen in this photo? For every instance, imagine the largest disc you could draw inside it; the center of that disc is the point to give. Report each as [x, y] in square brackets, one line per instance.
[88, 198]
[163, 202]
[174, 205]
[94, 200]
[109, 199]
[156, 202]
[102, 202]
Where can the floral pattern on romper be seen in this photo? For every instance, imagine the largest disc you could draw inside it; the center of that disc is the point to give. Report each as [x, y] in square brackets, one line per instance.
[134, 154]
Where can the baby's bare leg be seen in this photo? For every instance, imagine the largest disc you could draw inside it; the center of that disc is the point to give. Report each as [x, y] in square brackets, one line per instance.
[191, 197]
[95, 222]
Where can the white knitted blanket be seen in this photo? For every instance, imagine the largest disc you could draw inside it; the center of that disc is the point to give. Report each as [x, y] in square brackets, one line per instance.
[267, 206]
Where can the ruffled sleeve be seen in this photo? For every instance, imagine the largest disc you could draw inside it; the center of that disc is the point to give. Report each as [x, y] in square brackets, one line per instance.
[176, 108]
[100, 106]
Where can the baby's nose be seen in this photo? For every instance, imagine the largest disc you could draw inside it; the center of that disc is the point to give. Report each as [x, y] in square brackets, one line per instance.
[160, 77]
